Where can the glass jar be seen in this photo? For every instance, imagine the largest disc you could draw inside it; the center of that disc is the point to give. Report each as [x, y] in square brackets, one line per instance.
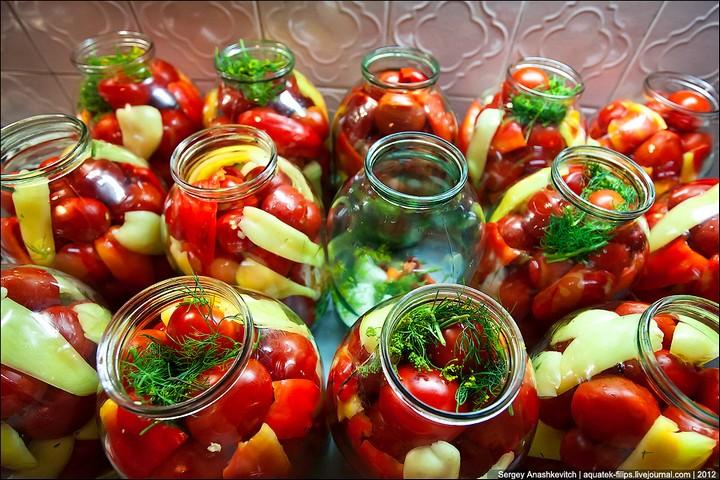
[259, 86]
[51, 324]
[240, 213]
[683, 243]
[675, 138]
[567, 236]
[398, 93]
[408, 219]
[523, 127]
[86, 207]
[455, 398]
[628, 387]
[205, 381]
[129, 98]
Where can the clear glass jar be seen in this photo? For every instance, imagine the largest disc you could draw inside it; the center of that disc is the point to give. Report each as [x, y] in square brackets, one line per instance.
[240, 213]
[408, 219]
[398, 93]
[523, 127]
[86, 207]
[684, 243]
[130, 98]
[568, 236]
[616, 383]
[392, 418]
[675, 139]
[259, 86]
[205, 381]
[51, 324]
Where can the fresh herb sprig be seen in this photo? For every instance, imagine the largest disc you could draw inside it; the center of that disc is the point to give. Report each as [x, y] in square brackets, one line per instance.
[483, 371]
[574, 235]
[603, 179]
[252, 74]
[530, 109]
[90, 98]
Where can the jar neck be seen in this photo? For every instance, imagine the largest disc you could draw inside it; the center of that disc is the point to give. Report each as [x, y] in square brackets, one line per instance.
[659, 85]
[700, 312]
[143, 310]
[219, 144]
[261, 50]
[29, 142]
[551, 68]
[515, 351]
[127, 49]
[415, 170]
[395, 58]
[619, 165]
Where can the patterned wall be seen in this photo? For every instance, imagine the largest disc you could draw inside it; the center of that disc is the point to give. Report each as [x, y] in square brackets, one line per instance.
[613, 44]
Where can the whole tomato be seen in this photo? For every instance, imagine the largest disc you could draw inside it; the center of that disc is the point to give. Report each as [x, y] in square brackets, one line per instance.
[578, 451]
[398, 112]
[287, 204]
[663, 147]
[120, 91]
[287, 355]
[80, 219]
[681, 373]
[31, 287]
[531, 77]
[107, 128]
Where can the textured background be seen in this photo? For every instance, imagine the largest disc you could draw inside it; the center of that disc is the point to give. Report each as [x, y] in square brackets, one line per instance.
[613, 44]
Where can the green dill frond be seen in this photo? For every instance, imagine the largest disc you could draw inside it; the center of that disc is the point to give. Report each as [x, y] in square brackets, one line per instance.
[574, 235]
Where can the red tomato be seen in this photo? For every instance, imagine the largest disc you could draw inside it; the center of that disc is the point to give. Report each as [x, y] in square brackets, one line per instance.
[80, 219]
[140, 196]
[663, 147]
[189, 99]
[543, 274]
[18, 391]
[630, 308]
[699, 143]
[192, 321]
[452, 352]
[708, 393]
[129, 267]
[192, 460]
[610, 112]
[667, 325]
[578, 451]
[239, 412]
[81, 261]
[442, 122]
[292, 413]
[688, 190]
[509, 137]
[287, 355]
[107, 128]
[575, 180]
[66, 321]
[119, 92]
[412, 75]
[512, 231]
[162, 72]
[142, 338]
[555, 411]
[176, 127]
[606, 199]
[13, 247]
[629, 131]
[705, 238]
[398, 112]
[429, 388]
[314, 118]
[41, 420]
[614, 410]
[531, 77]
[690, 100]
[233, 330]
[33, 288]
[292, 138]
[194, 221]
[229, 235]
[681, 373]
[288, 205]
[548, 138]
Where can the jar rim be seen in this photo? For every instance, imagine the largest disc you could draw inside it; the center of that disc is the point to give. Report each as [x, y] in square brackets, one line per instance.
[698, 309]
[122, 39]
[248, 46]
[620, 165]
[518, 357]
[438, 146]
[405, 53]
[653, 89]
[148, 303]
[32, 131]
[548, 65]
[215, 137]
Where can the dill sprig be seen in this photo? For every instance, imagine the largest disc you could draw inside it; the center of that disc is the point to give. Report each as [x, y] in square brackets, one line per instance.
[483, 371]
[252, 74]
[529, 109]
[574, 235]
[603, 179]
[90, 98]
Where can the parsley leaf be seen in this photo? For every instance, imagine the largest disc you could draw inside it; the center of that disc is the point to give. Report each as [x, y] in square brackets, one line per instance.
[529, 109]
[603, 179]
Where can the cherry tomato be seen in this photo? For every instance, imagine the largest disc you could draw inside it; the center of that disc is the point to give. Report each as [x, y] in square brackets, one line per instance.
[189, 99]
[119, 92]
[139, 196]
[142, 338]
[688, 190]
[681, 373]
[667, 325]
[629, 131]
[579, 451]
[690, 100]
[630, 308]
[81, 261]
[673, 264]
[442, 122]
[509, 137]
[287, 355]
[398, 112]
[512, 231]
[452, 352]
[314, 118]
[663, 147]
[33, 288]
[162, 72]
[176, 127]
[614, 410]
[578, 288]
[19, 390]
[239, 412]
[705, 238]
[548, 138]
[41, 421]
[606, 199]
[555, 411]
[575, 180]
[12, 243]
[699, 143]
[66, 321]
[531, 77]
[613, 111]
[412, 75]
[428, 387]
[288, 205]
[80, 219]
[292, 413]
[107, 128]
[191, 320]
[708, 393]
[543, 273]
[192, 460]
[129, 267]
